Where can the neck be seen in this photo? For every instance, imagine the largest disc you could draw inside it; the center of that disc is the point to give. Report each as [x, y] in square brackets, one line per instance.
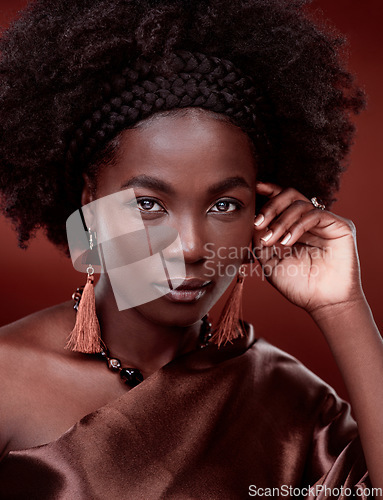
[136, 340]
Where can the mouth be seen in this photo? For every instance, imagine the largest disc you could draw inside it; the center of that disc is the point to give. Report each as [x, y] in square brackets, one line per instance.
[190, 289]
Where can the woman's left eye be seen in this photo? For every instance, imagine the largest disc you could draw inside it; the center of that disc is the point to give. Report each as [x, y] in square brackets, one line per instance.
[149, 205]
[223, 206]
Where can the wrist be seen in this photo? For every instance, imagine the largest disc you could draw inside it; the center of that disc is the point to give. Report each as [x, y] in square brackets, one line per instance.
[336, 310]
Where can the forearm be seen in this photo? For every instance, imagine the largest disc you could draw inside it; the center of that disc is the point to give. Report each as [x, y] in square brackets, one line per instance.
[357, 346]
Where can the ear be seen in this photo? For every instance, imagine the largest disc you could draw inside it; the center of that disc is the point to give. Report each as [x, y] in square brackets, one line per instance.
[249, 255]
[86, 195]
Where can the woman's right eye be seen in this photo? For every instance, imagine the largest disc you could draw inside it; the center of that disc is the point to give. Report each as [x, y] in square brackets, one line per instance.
[148, 204]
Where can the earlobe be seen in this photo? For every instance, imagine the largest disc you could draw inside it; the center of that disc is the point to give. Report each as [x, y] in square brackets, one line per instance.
[249, 255]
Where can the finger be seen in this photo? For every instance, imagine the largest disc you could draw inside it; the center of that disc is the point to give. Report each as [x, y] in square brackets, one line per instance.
[267, 256]
[313, 221]
[267, 188]
[280, 226]
[276, 205]
[308, 240]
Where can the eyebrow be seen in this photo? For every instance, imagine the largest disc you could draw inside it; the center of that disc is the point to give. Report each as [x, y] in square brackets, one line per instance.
[147, 181]
[150, 182]
[229, 183]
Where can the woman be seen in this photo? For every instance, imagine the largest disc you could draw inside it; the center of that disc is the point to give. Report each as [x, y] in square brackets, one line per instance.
[228, 125]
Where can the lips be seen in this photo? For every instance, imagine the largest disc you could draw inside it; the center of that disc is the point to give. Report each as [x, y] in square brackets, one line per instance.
[192, 284]
[190, 289]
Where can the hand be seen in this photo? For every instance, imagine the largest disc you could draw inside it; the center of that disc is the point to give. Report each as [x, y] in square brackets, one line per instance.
[311, 256]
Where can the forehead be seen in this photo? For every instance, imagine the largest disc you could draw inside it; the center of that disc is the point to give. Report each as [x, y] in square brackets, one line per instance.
[187, 133]
[187, 149]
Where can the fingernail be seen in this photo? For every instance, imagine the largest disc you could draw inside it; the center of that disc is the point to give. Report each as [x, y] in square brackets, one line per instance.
[267, 236]
[286, 239]
[259, 219]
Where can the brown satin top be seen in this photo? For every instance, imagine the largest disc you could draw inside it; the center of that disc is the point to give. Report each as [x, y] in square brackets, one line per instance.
[211, 424]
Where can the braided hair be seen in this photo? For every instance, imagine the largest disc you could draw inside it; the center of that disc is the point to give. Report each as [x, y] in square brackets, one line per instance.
[186, 79]
[74, 74]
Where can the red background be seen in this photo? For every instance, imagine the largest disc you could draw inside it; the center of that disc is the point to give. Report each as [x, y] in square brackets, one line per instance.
[42, 277]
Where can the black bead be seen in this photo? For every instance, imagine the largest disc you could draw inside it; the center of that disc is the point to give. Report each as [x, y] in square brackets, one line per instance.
[205, 333]
[131, 376]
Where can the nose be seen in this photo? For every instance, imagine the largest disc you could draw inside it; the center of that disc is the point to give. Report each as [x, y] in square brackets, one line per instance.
[193, 241]
[191, 238]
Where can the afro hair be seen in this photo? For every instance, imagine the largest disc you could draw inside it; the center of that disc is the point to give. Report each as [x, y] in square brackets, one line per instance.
[54, 56]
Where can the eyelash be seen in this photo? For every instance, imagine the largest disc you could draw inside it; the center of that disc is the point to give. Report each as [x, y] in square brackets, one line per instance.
[237, 205]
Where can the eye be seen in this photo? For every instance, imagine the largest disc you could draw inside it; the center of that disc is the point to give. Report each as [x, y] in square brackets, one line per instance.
[149, 205]
[226, 206]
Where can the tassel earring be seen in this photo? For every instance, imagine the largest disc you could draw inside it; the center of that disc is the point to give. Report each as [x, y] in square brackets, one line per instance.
[86, 336]
[229, 325]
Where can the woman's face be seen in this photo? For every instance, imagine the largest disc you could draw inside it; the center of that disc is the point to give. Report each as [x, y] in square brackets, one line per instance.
[194, 172]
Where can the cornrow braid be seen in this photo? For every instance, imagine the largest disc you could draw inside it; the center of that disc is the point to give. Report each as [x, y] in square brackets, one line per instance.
[184, 79]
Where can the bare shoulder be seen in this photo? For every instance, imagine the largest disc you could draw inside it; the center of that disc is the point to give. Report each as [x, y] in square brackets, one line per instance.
[32, 340]
[28, 348]
[42, 329]
[46, 388]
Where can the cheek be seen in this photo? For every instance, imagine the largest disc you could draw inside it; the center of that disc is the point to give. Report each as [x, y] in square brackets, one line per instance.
[232, 234]
[228, 248]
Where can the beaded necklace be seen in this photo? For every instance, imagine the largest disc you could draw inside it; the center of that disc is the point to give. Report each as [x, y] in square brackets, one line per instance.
[133, 376]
